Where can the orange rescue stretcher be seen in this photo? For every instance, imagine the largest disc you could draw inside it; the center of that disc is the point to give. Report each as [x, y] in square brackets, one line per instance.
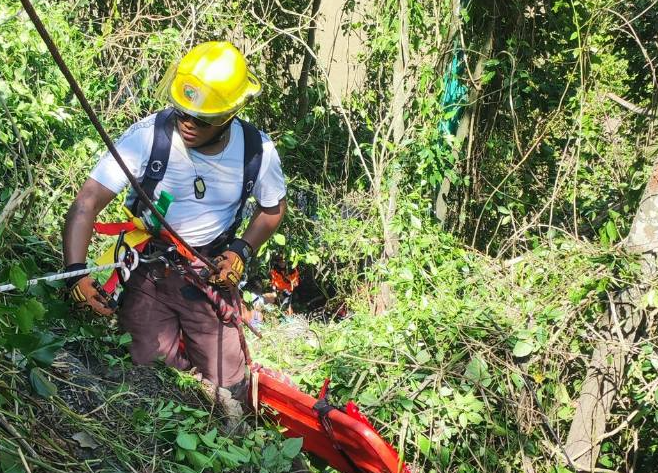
[342, 437]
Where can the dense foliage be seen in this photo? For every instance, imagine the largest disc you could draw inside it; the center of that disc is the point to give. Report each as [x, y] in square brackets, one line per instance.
[466, 336]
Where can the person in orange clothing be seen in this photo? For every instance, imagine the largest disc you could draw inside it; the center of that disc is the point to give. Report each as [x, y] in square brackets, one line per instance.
[283, 281]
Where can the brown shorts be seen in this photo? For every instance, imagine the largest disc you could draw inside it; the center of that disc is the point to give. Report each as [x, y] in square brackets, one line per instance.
[155, 313]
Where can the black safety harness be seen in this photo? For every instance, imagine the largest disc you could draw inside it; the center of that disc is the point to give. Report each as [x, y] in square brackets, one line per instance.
[159, 159]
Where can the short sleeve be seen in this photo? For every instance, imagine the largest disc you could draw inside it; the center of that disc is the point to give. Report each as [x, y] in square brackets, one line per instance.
[134, 148]
[270, 186]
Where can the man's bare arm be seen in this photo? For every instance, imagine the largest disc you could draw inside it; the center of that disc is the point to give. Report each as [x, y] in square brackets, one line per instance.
[263, 224]
[92, 198]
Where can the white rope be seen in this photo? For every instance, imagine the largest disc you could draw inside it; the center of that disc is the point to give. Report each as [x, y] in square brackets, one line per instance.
[70, 274]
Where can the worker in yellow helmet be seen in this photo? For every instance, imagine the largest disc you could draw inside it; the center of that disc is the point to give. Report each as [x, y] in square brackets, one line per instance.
[210, 162]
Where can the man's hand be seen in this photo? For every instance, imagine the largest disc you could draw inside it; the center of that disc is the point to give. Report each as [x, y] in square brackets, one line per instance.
[88, 292]
[231, 263]
[231, 269]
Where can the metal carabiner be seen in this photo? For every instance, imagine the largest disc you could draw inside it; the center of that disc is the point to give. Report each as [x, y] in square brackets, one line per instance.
[165, 272]
[123, 253]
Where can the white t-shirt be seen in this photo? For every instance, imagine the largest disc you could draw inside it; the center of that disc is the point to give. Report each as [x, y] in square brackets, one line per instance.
[198, 221]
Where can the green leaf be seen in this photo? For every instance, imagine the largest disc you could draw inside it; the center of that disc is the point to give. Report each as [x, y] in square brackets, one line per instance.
[368, 399]
[186, 440]
[24, 319]
[18, 277]
[10, 463]
[424, 444]
[248, 297]
[44, 354]
[269, 456]
[444, 456]
[198, 460]
[523, 348]
[241, 454]
[36, 307]
[450, 114]
[561, 394]
[30, 266]
[184, 469]
[292, 447]
[407, 404]
[312, 258]
[486, 78]
[41, 385]
[125, 339]
[209, 438]
[406, 274]
[477, 372]
[474, 417]
[279, 239]
[230, 459]
[606, 461]
[611, 231]
[463, 419]
[423, 357]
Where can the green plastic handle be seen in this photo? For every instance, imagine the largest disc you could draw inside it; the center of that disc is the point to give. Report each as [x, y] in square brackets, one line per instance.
[163, 203]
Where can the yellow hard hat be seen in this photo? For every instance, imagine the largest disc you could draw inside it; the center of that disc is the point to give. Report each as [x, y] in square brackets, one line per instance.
[212, 82]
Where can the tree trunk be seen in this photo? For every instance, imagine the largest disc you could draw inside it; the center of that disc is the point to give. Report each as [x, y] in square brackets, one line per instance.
[462, 133]
[621, 329]
[302, 83]
[391, 238]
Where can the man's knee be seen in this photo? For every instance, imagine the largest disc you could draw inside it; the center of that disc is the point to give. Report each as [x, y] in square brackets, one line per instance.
[142, 355]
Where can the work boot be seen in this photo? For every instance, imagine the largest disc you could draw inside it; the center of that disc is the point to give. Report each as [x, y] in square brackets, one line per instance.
[230, 401]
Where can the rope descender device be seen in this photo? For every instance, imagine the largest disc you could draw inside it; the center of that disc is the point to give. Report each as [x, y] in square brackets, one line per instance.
[129, 257]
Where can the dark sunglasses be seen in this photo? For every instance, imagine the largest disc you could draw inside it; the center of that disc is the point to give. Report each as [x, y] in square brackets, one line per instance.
[184, 117]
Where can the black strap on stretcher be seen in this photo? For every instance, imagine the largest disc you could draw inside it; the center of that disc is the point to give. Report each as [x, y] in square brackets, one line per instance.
[323, 408]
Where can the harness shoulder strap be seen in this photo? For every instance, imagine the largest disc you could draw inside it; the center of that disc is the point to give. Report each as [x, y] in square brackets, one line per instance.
[253, 157]
[159, 158]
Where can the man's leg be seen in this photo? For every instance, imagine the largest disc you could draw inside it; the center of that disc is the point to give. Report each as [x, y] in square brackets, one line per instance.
[212, 346]
[147, 314]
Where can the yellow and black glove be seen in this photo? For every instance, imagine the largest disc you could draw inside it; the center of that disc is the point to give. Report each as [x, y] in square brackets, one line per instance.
[87, 292]
[231, 264]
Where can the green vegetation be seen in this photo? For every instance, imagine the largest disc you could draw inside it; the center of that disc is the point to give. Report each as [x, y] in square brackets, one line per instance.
[466, 338]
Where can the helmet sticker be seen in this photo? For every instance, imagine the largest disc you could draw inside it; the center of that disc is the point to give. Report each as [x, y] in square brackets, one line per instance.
[190, 92]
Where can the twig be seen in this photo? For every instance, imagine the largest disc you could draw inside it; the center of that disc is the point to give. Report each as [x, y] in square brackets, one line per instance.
[36, 462]
[615, 320]
[20, 454]
[633, 33]
[12, 431]
[388, 363]
[21, 145]
[643, 12]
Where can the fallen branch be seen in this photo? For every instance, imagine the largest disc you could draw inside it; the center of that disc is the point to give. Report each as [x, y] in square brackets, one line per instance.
[630, 106]
[15, 200]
